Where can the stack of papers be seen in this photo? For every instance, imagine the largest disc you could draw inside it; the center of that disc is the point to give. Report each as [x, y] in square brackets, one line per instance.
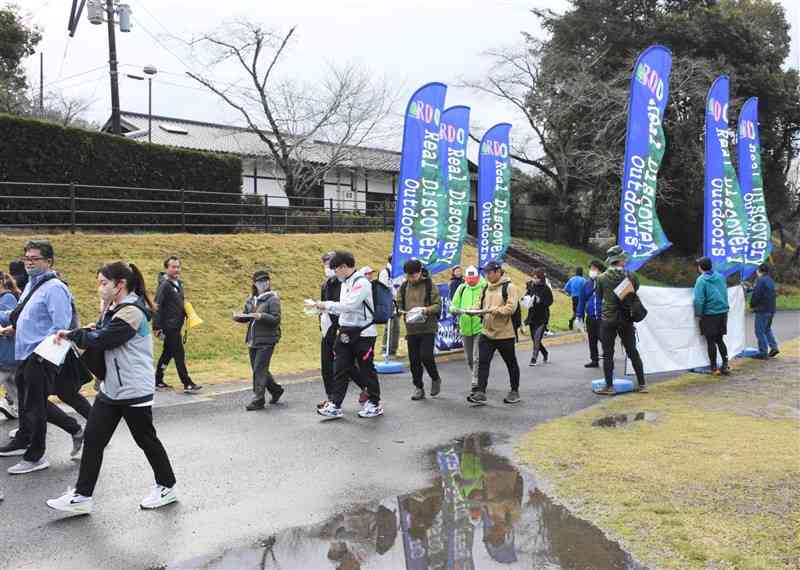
[52, 352]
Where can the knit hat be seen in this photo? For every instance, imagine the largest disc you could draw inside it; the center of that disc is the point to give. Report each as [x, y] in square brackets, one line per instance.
[615, 254]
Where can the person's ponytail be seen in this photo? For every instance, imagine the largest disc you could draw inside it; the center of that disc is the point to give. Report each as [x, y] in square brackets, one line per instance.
[140, 288]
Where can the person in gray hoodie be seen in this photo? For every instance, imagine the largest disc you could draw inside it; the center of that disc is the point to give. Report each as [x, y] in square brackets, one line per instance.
[262, 313]
[119, 349]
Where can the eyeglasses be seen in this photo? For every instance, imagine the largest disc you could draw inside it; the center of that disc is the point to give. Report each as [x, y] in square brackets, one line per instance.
[29, 258]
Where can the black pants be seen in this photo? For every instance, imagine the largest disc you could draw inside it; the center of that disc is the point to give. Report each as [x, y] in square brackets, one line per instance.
[102, 423]
[486, 350]
[326, 368]
[34, 379]
[537, 334]
[593, 330]
[263, 380]
[574, 312]
[608, 336]
[357, 353]
[420, 354]
[173, 348]
[712, 342]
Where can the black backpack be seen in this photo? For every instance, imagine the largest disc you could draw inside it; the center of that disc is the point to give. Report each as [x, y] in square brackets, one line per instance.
[516, 317]
[632, 309]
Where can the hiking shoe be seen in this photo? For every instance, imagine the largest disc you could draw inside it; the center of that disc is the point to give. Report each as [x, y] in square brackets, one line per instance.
[28, 466]
[163, 386]
[512, 398]
[158, 497]
[12, 448]
[715, 372]
[322, 404]
[477, 398]
[641, 388]
[8, 409]
[330, 411]
[607, 391]
[725, 370]
[363, 397]
[370, 410]
[592, 365]
[72, 502]
[192, 388]
[774, 352]
[276, 395]
[257, 404]
[419, 394]
[532, 363]
[77, 445]
[436, 387]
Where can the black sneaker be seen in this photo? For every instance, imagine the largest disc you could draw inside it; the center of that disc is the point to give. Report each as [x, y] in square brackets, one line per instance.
[163, 386]
[478, 398]
[774, 352]
[257, 404]
[276, 395]
[592, 365]
[419, 394]
[436, 387]
[191, 388]
[12, 448]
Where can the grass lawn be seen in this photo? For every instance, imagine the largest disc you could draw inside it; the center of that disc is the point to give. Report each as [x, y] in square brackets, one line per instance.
[713, 482]
[216, 270]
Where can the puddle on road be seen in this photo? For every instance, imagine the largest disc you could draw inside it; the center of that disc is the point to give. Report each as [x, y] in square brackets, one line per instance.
[480, 513]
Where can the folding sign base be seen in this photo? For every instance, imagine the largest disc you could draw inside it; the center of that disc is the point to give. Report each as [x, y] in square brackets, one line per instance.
[621, 385]
[701, 370]
[389, 367]
[748, 352]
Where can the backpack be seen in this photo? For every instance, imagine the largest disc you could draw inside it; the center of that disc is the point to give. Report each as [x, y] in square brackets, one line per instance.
[383, 301]
[632, 309]
[516, 316]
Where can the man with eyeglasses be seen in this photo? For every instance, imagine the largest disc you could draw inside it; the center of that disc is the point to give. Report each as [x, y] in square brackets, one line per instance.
[45, 307]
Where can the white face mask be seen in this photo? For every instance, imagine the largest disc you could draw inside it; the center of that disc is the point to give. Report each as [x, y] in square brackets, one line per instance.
[594, 274]
[329, 272]
[262, 286]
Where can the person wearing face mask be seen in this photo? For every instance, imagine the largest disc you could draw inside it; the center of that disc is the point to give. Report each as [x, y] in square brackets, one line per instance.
[8, 364]
[590, 312]
[122, 348]
[538, 299]
[468, 296]
[262, 313]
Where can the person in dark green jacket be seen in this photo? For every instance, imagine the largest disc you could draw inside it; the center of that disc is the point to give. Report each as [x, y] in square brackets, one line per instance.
[711, 307]
[468, 296]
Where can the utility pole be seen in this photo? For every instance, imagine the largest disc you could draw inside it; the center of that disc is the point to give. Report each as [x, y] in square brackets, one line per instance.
[41, 83]
[112, 62]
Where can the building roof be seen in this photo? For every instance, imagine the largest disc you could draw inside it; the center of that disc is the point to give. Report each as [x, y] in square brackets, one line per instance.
[213, 137]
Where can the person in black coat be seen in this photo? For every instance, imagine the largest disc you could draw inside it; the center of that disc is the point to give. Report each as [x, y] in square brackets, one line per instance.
[538, 298]
[262, 313]
[456, 279]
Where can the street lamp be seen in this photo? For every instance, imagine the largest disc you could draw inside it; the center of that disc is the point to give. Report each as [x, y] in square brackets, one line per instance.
[149, 70]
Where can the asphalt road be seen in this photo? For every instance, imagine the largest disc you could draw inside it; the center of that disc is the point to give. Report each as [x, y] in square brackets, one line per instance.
[245, 475]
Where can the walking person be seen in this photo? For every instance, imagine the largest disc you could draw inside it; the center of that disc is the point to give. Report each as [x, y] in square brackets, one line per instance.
[122, 342]
[615, 320]
[168, 321]
[9, 293]
[590, 312]
[573, 288]
[420, 303]
[44, 308]
[262, 313]
[355, 342]
[499, 302]
[467, 297]
[391, 332]
[711, 307]
[538, 298]
[762, 302]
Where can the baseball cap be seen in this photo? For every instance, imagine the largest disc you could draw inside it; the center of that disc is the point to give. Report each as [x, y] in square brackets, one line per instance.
[260, 276]
[366, 270]
[492, 266]
[471, 271]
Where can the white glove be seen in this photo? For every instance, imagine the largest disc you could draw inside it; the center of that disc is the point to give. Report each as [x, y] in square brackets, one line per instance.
[581, 325]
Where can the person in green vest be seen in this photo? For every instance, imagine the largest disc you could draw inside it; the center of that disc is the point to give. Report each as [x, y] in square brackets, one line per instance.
[468, 296]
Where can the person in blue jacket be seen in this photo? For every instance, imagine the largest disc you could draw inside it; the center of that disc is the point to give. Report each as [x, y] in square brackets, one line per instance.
[9, 293]
[762, 302]
[711, 307]
[590, 312]
[573, 288]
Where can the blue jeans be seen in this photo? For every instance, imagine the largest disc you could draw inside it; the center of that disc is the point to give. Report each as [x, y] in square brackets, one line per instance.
[764, 332]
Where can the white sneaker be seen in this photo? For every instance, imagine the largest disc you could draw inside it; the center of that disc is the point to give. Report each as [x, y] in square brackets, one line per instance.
[158, 497]
[330, 411]
[28, 466]
[370, 410]
[8, 409]
[72, 502]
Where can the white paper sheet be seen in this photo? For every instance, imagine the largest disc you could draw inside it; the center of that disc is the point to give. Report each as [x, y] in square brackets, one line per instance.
[52, 352]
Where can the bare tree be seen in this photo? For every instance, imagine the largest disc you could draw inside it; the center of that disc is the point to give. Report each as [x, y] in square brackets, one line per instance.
[342, 110]
[65, 110]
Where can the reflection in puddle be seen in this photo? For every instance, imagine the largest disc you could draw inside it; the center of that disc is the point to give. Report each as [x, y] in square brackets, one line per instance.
[481, 512]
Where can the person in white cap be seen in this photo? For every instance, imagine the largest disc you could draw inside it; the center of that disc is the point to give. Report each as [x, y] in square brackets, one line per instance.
[368, 272]
[468, 296]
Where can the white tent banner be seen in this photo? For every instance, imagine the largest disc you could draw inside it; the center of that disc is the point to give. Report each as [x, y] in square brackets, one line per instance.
[669, 338]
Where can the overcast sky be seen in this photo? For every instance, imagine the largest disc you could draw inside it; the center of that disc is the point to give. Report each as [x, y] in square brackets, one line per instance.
[409, 42]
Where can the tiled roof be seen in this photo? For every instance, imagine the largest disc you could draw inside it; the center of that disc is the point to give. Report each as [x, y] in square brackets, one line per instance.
[213, 137]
